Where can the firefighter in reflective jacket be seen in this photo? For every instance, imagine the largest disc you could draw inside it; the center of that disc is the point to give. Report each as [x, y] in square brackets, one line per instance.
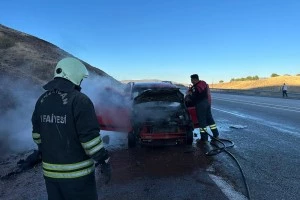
[66, 130]
[199, 94]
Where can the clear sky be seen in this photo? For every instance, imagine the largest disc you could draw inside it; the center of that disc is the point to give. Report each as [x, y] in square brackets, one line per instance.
[168, 39]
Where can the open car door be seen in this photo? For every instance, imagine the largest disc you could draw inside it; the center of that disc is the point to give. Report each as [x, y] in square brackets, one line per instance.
[114, 112]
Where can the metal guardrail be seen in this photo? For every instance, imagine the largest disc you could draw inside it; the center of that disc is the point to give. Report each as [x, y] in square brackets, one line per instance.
[257, 92]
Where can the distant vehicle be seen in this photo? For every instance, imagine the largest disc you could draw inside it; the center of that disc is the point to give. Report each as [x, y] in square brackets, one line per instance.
[156, 115]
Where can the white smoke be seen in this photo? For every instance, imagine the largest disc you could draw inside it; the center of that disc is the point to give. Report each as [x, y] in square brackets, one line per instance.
[18, 98]
[103, 90]
[108, 98]
[17, 103]
[110, 103]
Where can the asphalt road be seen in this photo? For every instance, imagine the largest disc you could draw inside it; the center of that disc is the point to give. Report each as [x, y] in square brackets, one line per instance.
[267, 137]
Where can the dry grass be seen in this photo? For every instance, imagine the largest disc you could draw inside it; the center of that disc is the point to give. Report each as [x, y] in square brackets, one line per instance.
[5, 42]
[271, 84]
[26, 56]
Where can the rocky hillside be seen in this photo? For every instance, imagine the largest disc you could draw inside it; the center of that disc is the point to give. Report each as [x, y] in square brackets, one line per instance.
[28, 57]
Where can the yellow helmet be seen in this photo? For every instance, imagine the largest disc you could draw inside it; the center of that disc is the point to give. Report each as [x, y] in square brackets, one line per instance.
[71, 69]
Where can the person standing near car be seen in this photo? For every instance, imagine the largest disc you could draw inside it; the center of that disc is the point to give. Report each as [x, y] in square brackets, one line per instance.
[200, 97]
[66, 130]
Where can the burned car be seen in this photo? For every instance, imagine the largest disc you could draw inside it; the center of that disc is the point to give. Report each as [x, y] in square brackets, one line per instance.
[156, 115]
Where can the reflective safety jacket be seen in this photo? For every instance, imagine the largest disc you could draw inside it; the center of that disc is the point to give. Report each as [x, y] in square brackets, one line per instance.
[66, 130]
[200, 91]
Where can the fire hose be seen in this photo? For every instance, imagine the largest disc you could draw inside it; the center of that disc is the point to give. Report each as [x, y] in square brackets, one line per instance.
[223, 148]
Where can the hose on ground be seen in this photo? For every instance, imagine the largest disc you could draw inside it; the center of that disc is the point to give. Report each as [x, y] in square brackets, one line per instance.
[223, 148]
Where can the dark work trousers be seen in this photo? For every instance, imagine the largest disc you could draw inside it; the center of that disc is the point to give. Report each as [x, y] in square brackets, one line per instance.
[284, 93]
[83, 188]
[205, 118]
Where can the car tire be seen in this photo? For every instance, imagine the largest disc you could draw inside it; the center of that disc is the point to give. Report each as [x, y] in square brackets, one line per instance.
[189, 137]
[131, 140]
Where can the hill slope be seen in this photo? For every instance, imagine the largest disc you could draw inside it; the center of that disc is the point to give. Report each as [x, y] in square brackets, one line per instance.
[272, 84]
[28, 57]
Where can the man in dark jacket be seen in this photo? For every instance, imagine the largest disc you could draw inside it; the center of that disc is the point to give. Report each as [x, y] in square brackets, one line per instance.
[200, 97]
[66, 130]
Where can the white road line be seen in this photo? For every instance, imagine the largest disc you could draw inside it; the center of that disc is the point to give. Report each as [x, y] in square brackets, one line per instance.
[225, 187]
[278, 107]
[232, 113]
[280, 127]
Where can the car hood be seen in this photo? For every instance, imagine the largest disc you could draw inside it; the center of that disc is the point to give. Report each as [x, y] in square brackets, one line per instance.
[162, 94]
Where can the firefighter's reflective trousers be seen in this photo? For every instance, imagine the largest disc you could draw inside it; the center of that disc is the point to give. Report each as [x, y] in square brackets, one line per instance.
[205, 118]
[70, 181]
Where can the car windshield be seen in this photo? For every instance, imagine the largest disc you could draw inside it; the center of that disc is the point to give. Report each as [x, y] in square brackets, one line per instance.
[139, 90]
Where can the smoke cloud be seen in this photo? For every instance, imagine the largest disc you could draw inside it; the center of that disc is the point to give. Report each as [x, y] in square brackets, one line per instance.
[109, 100]
[17, 103]
[18, 98]
[104, 91]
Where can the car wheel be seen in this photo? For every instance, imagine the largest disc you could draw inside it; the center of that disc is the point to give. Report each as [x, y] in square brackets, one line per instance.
[131, 140]
[189, 137]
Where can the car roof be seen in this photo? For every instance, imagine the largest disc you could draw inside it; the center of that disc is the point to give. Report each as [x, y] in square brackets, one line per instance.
[154, 85]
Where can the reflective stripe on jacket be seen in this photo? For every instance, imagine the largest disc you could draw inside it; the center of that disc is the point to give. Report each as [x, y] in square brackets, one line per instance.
[66, 171]
[92, 146]
[36, 138]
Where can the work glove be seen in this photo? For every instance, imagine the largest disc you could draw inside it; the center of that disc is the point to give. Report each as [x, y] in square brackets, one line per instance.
[106, 172]
[103, 161]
